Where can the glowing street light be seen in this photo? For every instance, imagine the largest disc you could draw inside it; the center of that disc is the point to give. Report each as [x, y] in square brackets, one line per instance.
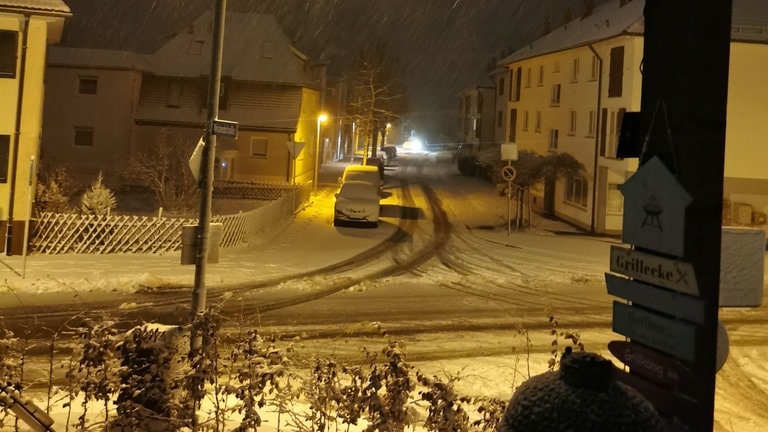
[322, 118]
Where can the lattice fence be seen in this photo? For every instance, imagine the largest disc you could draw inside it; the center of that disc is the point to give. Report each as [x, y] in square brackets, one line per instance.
[55, 233]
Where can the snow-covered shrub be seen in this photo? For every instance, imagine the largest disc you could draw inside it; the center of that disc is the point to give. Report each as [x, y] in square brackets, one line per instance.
[53, 190]
[98, 200]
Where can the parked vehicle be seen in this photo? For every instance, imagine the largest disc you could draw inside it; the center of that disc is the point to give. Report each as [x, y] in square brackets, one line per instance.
[366, 173]
[357, 204]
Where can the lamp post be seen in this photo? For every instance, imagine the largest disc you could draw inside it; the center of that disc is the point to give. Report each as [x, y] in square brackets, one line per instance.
[320, 119]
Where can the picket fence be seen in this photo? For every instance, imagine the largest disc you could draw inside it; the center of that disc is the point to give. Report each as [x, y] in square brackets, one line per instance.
[56, 233]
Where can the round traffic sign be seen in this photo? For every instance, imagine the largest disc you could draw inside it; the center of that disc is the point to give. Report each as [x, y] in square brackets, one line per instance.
[508, 173]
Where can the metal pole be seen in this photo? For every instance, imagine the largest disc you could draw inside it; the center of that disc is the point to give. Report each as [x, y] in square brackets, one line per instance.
[206, 177]
[317, 158]
[31, 194]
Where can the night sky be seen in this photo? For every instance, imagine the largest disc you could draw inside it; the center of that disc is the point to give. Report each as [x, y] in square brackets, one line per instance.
[444, 46]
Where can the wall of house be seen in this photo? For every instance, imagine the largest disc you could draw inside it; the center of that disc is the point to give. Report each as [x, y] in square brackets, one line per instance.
[745, 186]
[108, 112]
[24, 136]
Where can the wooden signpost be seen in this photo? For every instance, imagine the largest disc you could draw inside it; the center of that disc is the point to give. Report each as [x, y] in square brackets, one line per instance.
[669, 276]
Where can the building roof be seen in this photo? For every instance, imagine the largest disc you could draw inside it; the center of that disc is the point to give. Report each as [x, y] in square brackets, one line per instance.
[54, 7]
[255, 49]
[609, 20]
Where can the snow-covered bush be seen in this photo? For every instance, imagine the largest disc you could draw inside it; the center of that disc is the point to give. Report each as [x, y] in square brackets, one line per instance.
[98, 200]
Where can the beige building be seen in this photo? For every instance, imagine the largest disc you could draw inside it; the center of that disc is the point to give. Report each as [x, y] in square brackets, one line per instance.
[569, 91]
[27, 27]
[478, 105]
[106, 105]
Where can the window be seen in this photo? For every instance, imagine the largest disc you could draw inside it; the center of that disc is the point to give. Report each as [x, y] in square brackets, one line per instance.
[9, 49]
[616, 72]
[5, 152]
[512, 125]
[537, 126]
[83, 136]
[511, 91]
[173, 99]
[610, 138]
[541, 76]
[518, 81]
[499, 118]
[501, 86]
[226, 82]
[595, 71]
[259, 146]
[525, 120]
[88, 85]
[528, 78]
[572, 126]
[591, 124]
[576, 191]
[555, 101]
[614, 200]
[556, 66]
[554, 136]
[575, 70]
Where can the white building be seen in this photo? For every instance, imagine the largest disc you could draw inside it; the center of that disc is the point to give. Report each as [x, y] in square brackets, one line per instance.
[569, 90]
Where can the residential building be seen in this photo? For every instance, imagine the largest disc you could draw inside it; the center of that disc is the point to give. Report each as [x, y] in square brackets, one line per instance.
[478, 116]
[106, 105]
[27, 27]
[572, 87]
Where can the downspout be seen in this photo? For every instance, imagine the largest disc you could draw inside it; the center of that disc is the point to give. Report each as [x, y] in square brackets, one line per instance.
[17, 137]
[598, 115]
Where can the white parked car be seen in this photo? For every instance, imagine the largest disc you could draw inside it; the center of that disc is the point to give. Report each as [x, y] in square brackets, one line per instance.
[366, 173]
[357, 204]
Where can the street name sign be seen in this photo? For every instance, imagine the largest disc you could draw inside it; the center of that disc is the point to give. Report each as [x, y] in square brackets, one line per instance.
[654, 209]
[225, 128]
[653, 365]
[674, 337]
[670, 302]
[668, 273]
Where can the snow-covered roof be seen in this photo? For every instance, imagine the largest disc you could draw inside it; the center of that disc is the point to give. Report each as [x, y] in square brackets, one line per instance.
[255, 49]
[606, 21]
[57, 7]
[609, 20]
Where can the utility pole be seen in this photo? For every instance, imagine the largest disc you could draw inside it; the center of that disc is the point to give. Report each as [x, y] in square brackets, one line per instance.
[206, 177]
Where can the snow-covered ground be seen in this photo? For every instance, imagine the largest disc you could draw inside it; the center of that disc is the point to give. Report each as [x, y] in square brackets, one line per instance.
[742, 383]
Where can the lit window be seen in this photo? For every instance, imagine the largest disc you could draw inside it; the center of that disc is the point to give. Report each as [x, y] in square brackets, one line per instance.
[83, 136]
[259, 147]
[88, 85]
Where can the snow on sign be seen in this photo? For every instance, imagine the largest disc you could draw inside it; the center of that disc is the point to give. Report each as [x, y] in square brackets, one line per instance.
[654, 209]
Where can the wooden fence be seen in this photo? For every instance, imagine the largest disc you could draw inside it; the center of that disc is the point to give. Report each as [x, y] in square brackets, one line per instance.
[55, 233]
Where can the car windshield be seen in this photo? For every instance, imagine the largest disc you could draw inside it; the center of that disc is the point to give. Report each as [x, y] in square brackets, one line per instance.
[358, 190]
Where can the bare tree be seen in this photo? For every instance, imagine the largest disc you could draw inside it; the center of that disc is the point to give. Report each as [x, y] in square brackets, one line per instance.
[376, 96]
[163, 168]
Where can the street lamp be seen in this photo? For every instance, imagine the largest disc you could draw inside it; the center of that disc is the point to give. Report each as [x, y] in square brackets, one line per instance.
[320, 119]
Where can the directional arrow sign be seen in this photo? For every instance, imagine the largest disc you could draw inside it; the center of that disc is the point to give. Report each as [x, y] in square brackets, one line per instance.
[673, 274]
[670, 302]
[665, 334]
